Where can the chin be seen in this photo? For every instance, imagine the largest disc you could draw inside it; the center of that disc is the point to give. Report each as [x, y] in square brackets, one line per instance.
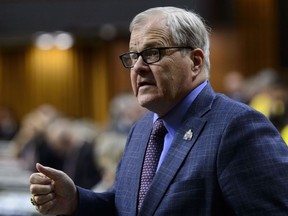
[144, 100]
[148, 102]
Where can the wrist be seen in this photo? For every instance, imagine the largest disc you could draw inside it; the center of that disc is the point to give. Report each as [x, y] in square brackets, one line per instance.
[74, 203]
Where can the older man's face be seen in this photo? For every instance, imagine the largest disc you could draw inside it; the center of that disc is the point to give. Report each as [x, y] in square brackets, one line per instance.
[161, 85]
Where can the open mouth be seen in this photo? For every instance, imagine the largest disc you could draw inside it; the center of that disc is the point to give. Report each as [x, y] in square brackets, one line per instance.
[144, 83]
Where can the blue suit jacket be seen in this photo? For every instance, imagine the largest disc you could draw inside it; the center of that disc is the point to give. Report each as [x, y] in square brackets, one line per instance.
[235, 164]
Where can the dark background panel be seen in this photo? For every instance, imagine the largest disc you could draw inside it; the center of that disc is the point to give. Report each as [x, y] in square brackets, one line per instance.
[283, 33]
[24, 17]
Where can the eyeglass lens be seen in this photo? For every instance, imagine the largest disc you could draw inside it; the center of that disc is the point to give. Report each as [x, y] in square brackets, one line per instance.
[149, 56]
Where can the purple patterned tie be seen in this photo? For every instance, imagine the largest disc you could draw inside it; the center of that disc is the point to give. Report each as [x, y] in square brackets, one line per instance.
[152, 155]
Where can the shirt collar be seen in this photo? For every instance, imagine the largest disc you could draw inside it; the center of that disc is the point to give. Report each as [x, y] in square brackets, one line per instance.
[173, 118]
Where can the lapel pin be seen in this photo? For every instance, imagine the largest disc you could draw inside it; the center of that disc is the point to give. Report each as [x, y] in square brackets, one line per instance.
[188, 135]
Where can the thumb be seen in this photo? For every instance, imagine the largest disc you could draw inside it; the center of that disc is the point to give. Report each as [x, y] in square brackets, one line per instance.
[51, 173]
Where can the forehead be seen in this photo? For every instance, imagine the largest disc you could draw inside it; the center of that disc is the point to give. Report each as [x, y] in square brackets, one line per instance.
[151, 33]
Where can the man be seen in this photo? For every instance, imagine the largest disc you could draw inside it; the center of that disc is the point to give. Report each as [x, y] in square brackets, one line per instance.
[220, 157]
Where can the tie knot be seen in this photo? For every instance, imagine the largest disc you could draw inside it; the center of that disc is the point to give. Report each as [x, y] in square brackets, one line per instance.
[159, 128]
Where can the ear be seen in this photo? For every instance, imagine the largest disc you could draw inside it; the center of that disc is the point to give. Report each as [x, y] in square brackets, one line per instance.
[197, 56]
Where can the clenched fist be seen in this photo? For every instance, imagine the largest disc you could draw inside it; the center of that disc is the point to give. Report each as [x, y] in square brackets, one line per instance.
[53, 191]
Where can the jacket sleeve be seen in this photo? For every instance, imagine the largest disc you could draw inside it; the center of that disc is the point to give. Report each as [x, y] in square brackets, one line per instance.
[253, 166]
[92, 203]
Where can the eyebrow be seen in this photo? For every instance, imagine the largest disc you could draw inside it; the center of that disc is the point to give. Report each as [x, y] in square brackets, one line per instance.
[147, 46]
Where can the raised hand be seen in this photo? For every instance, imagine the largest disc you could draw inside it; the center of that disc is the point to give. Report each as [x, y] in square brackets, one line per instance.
[53, 191]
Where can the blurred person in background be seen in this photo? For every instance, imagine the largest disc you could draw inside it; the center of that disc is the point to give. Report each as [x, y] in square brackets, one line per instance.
[9, 125]
[48, 137]
[279, 103]
[234, 86]
[270, 97]
[28, 143]
[124, 111]
[73, 140]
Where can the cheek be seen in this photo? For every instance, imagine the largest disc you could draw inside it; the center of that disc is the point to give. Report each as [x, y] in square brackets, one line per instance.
[179, 81]
[166, 85]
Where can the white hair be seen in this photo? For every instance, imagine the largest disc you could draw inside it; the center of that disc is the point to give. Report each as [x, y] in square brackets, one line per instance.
[186, 27]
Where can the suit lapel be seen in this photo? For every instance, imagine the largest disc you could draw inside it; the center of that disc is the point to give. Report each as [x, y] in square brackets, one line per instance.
[171, 164]
[135, 155]
[179, 149]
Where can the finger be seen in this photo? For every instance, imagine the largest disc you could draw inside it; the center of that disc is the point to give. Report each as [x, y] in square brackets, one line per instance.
[42, 199]
[39, 178]
[37, 189]
[49, 172]
[46, 207]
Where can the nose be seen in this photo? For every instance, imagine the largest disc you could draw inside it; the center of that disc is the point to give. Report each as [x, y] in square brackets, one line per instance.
[139, 64]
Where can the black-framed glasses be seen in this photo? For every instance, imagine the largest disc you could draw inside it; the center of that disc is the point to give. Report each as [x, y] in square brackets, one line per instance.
[149, 56]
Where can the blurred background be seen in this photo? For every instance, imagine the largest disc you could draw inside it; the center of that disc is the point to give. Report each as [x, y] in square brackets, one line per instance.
[65, 98]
